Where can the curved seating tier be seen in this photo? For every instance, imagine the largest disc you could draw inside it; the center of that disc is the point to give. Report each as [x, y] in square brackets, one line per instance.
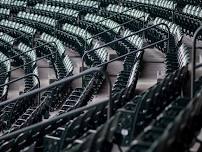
[101, 20]
[189, 18]
[192, 2]
[55, 11]
[37, 21]
[29, 56]
[7, 38]
[84, 5]
[77, 31]
[63, 64]
[17, 26]
[14, 5]
[4, 13]
[15, 29]
[127, 78]
[135, 18]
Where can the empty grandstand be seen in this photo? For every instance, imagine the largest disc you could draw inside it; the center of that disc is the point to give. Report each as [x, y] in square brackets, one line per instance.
[100, 76]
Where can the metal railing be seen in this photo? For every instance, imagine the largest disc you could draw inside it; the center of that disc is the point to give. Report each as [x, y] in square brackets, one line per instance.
[55, 52]
[53, 120]
[30, 74]
[21, 36]
[64, 80]
[86, 52]
[64, 115]
[25, 76]
[27, 51]
[132, 52]
[91, 24]
[54, 84]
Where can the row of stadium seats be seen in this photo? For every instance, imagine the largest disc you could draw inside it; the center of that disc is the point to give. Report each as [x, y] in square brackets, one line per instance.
[16, 29]
[54, 11]
[14, 5]
[4, 13]
[92, 6]
[37, 21]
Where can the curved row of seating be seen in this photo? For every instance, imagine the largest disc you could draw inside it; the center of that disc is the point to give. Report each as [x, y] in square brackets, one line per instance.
[17, 26]
[162, 8]
[76, 4]
[51, 11]
[188, 17]
[75, 30]
[23, 32]
[12, 111]
[128, 77]
[4, 13]
[192, 2]
[14, 5]
[100, 20]
[7, 38]
[29, 56]
[37, 18]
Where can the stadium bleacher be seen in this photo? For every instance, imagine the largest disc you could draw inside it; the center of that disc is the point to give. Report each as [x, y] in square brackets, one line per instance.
[100, 75]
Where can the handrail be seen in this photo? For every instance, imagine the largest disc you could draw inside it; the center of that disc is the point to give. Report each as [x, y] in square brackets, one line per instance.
[15, 80]
[62, 116]
[65, 115]
[142, 30]
[23, 34]
[102, 33]
[55, 13]
[54, 84]
[55, 52]
[113, 27]
[193, 61]
[62, 81]
[66, 17]
[52, 120]
[28, 51]
[107, 19]
[132, 52]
